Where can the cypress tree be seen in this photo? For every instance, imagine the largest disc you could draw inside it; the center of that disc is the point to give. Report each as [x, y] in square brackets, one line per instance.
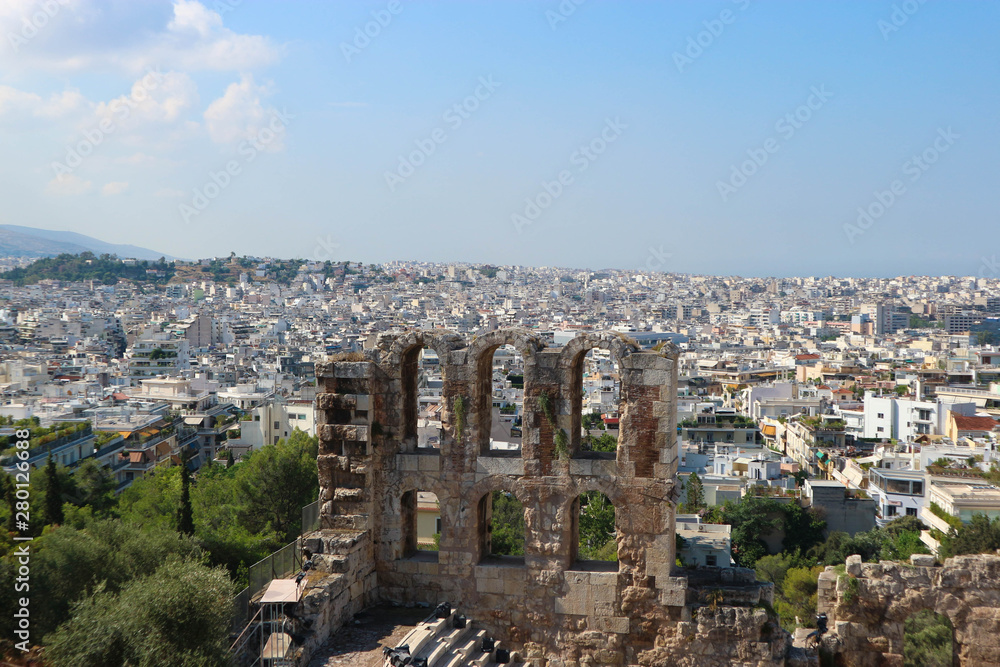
[53, 493]
[9, 493]
[185, 515]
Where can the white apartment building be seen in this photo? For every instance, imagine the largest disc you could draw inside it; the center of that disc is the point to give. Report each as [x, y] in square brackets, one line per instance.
[904, 419]
[157, 354]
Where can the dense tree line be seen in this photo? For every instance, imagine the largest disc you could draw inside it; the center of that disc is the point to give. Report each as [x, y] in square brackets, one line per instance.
[107, 269]
[147, 577]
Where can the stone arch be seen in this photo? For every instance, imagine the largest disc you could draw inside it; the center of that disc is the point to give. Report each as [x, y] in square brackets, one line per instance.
[571, 363]
[569, 511]
[401, 359]
[479, 500]
[870, 602]
[480, 355]
[402, 500]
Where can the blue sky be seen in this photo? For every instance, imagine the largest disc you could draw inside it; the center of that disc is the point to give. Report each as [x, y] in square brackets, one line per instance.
[704, 137]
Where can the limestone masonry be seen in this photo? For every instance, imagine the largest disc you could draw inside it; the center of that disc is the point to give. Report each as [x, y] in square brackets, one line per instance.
[559, 611]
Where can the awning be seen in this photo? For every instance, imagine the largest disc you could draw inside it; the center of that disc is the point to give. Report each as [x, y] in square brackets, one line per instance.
[281, 590]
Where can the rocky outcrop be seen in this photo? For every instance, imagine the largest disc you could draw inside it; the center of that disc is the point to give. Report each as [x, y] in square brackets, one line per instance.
[868, 604]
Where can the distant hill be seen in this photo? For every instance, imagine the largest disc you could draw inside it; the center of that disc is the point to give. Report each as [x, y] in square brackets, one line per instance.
[87, 266]
[30, 242]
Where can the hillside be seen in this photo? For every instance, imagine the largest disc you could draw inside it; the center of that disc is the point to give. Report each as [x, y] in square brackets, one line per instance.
[106, 269]
[18, 241]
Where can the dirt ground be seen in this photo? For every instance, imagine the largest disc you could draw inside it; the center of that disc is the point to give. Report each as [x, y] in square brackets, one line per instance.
[360, 644]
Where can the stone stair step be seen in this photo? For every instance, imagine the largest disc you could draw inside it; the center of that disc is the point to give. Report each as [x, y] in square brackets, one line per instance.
[447, 642]
[459, 656]
[425, 634]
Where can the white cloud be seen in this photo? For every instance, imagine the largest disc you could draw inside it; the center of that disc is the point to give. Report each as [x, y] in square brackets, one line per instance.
[114, 188]
[16, 103]
[75, 35]
[65, 185]
[155, 97]
[239, 114]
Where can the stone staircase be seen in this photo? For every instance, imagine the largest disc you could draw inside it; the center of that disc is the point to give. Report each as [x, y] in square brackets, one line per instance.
[448, 639]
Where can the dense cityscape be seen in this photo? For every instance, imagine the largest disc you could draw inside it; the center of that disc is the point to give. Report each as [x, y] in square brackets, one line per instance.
[556, 333]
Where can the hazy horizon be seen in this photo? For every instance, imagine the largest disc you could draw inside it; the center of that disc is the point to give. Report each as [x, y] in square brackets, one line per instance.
[727, 138]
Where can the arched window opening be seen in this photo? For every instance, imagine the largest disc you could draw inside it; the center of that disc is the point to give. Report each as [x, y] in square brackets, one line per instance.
[596, 395]
[423, 403]
[420, 515]
[502, 401]
[928, 640]
[502, 528]
[595, 536]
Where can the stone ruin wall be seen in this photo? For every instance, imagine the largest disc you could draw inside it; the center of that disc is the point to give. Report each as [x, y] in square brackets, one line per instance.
[562, 612]
[868, 604]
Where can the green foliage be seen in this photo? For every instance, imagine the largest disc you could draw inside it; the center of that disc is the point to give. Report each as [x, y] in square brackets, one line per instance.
[152, 500]
[752, 519]
[185, 520]
[851, 586]
[68, 564]
[93, 487]
[107, 269]
[927, 640]
[592, 421]
[560, 437]
[274, 483]
[899, 540]
[695, 494]
[979, 536]
[798, 596]
[597, 527]
[507, 525]
[562, 444]
[458, 407]
[603, 443]
[178, 615]
[803, 528]
[53, 494]
[950, 519]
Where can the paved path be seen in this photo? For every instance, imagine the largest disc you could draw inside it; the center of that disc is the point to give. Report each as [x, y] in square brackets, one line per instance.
[360, 645]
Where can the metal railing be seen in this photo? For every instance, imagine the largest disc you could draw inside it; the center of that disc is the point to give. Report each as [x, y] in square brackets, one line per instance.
[310, 517]
[241, 611]
[283, 562]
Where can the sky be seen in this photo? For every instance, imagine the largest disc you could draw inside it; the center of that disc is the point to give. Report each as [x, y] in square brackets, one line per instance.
[728, 137]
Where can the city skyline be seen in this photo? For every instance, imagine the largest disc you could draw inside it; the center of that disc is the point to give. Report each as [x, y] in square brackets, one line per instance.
[819, 140]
